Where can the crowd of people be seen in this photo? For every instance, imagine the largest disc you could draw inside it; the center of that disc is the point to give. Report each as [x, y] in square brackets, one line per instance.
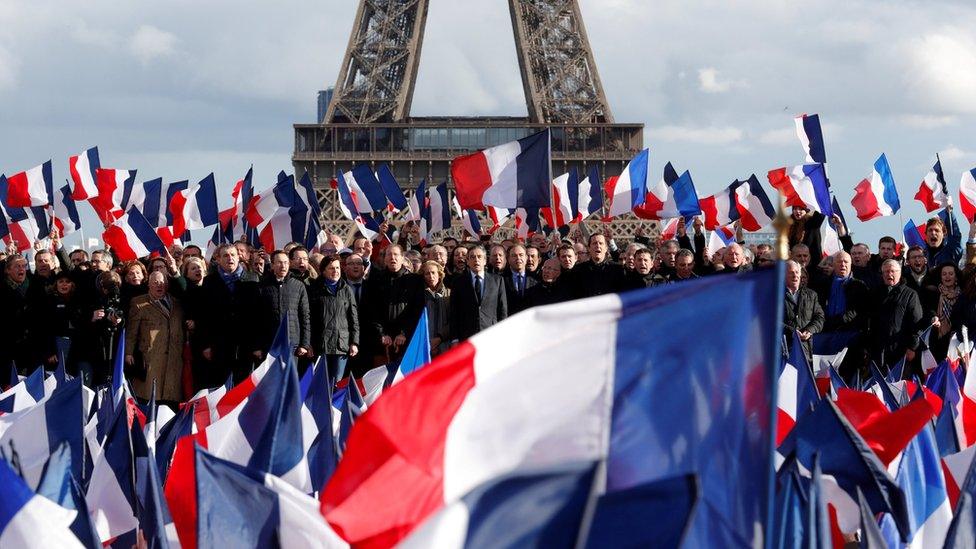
[190, 322]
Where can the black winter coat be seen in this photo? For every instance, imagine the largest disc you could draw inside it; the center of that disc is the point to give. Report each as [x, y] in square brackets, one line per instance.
[226, 322]
[276, 299]
[803, 315]
[896, 323]
[21, 317]
[397, 300]
[857, 300]
[592, 279]
[335, 318]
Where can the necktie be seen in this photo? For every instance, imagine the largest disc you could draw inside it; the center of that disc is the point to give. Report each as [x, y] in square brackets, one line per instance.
[356, 288]
[477, 287]
[519, 284]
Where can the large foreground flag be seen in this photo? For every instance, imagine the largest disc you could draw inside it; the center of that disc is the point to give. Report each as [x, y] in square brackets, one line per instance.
[132, 237]
[811, 137]
[629, 189]
[28, 520]
[34, 187]
[596, 391]
[512, 175]
[933, 192]
[82, 168]
[803, 186]
[876, 195]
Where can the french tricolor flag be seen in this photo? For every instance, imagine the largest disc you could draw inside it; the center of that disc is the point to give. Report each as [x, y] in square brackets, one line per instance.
[115, 189]
[469, 219]
[629, 189]
[914, 234]
[158, 195]
[439, 210]
[967, 194]
[132, 236]
[34, 187]
[66, 217]
[195, 208]
[876, 196]
[671, 197]
[720, 238]
[498, 216]
[933, 192]
[351, 210]
[512, 175]
[803, 186]
[720, 208]
[811, 137]
[562, 211]
[82, 168]
[366, 188]
[589, 195]
[30, 520]
[743, 201]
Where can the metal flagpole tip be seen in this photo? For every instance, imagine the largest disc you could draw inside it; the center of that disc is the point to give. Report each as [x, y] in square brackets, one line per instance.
[782, 223]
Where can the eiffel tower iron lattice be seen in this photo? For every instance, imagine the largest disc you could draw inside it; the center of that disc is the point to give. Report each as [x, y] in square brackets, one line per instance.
[368, 118]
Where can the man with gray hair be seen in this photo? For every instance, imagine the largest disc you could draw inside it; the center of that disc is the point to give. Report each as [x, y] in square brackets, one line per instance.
[846, 302]
[802, 313]
[897, 320]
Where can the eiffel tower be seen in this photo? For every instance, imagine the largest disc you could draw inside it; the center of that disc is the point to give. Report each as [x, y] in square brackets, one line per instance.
[368, 118]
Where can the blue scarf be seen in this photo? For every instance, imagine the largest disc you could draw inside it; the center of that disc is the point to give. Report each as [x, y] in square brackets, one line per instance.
[837, 302]
[333, 286]
[230, 279]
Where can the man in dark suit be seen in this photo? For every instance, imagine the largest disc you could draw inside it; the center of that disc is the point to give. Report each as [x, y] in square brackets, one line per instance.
[897, 320]
[477, 299]
[846, 302]
[802, 314]
[518, 280]
[227, 325]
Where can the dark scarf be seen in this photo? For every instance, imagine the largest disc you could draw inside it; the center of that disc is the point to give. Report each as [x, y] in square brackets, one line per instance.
[332, 286]
[230, 279]
[837, 302]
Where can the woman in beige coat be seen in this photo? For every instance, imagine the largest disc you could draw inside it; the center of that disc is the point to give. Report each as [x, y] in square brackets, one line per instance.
[155, 330]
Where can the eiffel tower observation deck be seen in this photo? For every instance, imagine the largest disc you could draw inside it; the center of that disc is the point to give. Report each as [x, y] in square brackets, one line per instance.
[368, 118]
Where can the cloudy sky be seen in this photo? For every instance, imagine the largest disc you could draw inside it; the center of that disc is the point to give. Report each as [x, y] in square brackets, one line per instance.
[179, 89]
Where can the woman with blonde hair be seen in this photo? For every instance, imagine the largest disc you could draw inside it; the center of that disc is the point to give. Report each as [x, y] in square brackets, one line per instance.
[437, 301]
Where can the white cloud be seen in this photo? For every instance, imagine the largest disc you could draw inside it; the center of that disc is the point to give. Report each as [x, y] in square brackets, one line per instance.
[711, 135]
[944, 66]
[709, 81]
[781, 136]
[953, 153]
[927, 122]
[148, 43]
[86, 35]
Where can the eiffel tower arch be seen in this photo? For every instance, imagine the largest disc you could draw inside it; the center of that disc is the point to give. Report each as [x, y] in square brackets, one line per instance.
[368, 118]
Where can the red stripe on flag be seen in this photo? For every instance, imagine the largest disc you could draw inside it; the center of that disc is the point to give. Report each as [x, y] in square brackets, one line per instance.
[78, 192]
[780, 180]
[710, 211]
[927, 197]
[18, 191]
[115, 237]
[392, 475]
[471, 179]
[177, 207]
[864, 201]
